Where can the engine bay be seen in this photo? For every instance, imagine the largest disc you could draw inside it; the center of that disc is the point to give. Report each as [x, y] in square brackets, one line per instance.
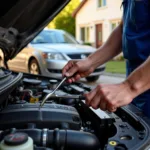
[64, 122]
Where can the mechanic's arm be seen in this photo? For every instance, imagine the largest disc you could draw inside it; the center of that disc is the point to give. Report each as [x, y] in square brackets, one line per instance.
[111, 48]
[82, 68]
[111, 96]
[139, 80]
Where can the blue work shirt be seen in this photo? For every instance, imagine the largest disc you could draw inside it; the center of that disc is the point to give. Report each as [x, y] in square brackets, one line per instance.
[136, 42]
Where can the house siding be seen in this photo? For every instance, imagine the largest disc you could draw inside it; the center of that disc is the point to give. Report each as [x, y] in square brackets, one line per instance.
[90, 15]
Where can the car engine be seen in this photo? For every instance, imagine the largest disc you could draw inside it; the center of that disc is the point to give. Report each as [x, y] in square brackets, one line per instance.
[64, 122]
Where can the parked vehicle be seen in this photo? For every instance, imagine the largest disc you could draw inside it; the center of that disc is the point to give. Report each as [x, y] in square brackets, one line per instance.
[49, 52]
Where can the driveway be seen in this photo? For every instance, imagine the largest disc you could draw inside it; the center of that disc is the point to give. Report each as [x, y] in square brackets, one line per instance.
[108, 79]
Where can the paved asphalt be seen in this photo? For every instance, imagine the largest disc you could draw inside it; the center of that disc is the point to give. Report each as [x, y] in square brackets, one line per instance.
[108, 79]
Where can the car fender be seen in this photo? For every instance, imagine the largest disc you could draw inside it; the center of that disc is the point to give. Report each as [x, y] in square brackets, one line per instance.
[36, 54]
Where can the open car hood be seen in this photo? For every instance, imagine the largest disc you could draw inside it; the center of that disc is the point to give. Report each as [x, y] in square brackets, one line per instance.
[22, 20]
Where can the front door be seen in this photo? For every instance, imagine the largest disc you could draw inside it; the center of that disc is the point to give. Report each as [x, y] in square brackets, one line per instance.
[99, 35]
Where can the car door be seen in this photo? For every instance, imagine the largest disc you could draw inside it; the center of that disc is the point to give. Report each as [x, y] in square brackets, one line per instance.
[19, 63]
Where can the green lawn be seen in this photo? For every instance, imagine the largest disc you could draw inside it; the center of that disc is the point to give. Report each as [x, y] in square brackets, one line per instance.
[116, 67]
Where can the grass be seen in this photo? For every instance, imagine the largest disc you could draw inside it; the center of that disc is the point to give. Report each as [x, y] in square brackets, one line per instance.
[116, 67]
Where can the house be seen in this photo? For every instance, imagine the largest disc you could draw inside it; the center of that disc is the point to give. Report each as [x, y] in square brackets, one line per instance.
[95, 20]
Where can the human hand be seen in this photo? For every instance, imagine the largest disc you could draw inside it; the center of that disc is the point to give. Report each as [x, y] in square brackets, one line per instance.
[110, 97]
[77, 69]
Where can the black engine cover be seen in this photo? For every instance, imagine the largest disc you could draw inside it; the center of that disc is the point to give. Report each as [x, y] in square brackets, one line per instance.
[49, 116]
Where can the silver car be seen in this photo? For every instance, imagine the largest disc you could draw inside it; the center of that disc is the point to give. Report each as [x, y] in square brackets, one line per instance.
[49, 52]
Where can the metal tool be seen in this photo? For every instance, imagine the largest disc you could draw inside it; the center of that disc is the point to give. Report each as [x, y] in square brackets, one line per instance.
[50, 94]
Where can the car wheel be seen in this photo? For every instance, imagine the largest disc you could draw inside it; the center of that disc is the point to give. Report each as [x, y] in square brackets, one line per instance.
[34, 67]
[92, 78]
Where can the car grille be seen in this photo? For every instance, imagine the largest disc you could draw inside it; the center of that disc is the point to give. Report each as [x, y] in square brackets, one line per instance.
[54, 71]
[78, 56]
[60, 71]
[99, 69]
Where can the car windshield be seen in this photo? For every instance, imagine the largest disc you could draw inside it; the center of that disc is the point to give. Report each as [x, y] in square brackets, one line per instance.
[48, 36]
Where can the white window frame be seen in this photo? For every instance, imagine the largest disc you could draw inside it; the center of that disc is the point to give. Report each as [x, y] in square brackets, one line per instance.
[87, 37]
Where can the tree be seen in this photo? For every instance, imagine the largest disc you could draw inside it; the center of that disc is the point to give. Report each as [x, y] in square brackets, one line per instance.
[64, 19]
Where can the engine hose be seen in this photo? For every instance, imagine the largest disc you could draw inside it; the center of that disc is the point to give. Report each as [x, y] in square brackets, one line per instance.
[63, 139]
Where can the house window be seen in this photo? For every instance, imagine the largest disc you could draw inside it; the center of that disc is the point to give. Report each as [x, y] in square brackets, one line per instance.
[100, 36]
[85, 34]
[101, 3]
[114, 25]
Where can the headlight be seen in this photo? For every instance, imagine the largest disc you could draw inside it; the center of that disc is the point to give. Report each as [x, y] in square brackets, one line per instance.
[54, 56]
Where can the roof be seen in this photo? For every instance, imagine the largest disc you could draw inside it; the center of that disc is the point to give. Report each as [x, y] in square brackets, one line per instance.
[78, 8]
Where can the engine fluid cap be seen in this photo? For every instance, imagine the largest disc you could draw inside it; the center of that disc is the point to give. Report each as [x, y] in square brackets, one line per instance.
[53, 81]
[113, 143]
[16, 139]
